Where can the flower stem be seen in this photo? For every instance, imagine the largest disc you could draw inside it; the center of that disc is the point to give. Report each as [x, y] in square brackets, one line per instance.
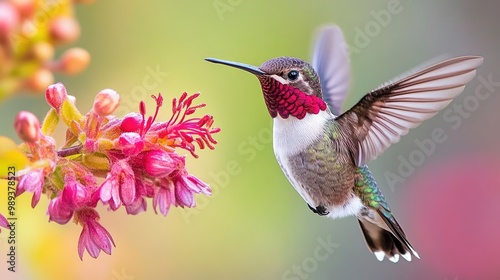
[70, 151]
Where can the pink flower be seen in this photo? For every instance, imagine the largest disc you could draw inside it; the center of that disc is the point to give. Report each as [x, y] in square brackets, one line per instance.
[74, 196]
[130, 143]
[131, 122]
[188, 131]
[136, 155]
[59, 211]
[106, 101]
[176, 186]
[164, 197]
[94, 236]
[185, 188]
[3, 222]
[119, 186]
[32, 182]
[55, 95]
[137, 206]
[27, 127]
[9, 19]
[159, 163]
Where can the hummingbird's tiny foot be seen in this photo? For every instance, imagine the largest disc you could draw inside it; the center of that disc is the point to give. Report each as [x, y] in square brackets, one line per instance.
[320, 210]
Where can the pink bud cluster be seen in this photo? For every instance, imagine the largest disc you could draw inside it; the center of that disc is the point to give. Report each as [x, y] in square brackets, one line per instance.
[30, 31]
[111, 161]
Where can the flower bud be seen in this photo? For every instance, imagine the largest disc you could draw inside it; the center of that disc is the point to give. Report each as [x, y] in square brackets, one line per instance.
[105, 102]
[9, 18]
[59, 211]
[40, 80]
[64, 30]
[42, 51]
[159, 163]
[131, 122]
[24, 7]
[130, 143]
[74, 194]
[55, 95]
[73, 61]
[27, 127]
[137, 206]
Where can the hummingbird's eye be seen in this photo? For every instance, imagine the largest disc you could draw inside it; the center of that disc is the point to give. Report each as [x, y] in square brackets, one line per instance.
[293, 75]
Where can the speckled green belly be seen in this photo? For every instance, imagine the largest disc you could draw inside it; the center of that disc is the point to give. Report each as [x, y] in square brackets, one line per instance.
[324, 172]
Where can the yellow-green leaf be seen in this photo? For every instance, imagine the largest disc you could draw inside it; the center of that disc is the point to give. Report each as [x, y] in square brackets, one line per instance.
[11, 158]
[50, 122]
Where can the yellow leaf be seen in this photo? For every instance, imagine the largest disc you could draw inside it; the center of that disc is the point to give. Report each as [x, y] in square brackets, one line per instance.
[11, 158]
[50, 122]
[71, 116]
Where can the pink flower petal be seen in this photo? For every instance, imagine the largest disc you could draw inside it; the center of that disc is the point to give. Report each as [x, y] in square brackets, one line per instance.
[161, 201]
[126, 180]
[200, 185]
[106, 188]
[36, 197]
[183, 196]
[131, 123]
[31, 182]
[137, 206]
[159, 163]
[59, 212]
[130, 143]
[3, 222]
[94, 236]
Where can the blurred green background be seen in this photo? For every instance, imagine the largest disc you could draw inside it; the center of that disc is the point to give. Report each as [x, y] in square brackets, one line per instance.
[255, 226]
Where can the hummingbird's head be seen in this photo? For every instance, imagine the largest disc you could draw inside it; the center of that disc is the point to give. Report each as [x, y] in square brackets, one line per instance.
[290, 86]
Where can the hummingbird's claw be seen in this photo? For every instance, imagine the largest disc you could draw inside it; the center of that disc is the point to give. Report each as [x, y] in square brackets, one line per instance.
[320, 210]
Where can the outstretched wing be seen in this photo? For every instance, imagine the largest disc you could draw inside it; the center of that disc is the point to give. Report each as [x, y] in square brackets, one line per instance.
[382, 116]
[331, 62]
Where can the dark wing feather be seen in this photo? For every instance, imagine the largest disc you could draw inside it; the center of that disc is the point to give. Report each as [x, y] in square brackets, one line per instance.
[382, 116]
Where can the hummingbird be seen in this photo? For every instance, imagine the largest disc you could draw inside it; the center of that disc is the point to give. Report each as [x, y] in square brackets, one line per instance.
[324, 151]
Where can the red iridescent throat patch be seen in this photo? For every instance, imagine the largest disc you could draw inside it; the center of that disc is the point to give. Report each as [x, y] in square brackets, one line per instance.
[287, 100]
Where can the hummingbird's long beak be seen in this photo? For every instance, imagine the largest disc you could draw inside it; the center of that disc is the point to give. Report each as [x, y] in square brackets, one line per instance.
[249, 68]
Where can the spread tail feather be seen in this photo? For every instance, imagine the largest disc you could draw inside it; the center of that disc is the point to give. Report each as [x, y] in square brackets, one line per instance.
[385, 237]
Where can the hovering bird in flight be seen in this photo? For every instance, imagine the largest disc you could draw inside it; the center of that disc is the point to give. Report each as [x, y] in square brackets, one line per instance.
[323, 151]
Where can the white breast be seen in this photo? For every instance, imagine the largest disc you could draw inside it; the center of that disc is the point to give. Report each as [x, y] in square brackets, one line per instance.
[292, 136]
